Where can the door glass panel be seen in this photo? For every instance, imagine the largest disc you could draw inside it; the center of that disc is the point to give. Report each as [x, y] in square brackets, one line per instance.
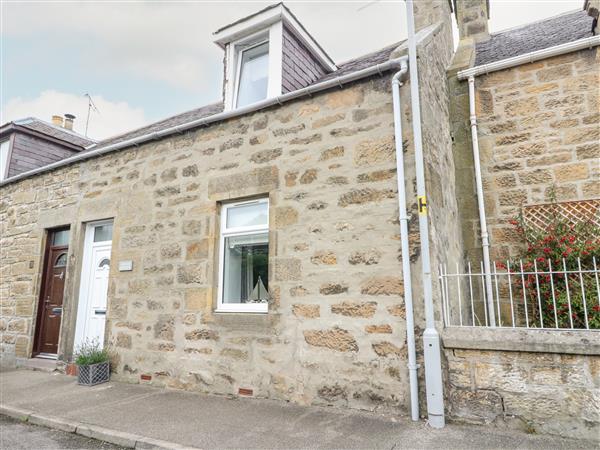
[103, 263]
[60, 238]
[103, 232]
[248, 215]
[61, 261]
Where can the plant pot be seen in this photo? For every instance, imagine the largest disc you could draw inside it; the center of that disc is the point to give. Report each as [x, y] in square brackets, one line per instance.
[93, 374]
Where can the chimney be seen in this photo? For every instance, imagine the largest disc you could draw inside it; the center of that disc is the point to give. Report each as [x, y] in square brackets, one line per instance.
[430, 12]
[472, 19]
[57, 120]
[69, 121]
[593, 9]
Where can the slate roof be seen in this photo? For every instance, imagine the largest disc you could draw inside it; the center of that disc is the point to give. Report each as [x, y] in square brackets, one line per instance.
[54, 131]
[539, 35]
[353, 65]
[194, 114]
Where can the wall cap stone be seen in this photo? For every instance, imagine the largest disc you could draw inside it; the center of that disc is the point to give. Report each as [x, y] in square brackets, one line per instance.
[580, 342]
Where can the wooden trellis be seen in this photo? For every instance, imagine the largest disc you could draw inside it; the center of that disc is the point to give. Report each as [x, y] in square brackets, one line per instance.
[540, 216]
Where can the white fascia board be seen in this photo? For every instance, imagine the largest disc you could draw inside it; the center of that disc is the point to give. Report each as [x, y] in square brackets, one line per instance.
[249, 26]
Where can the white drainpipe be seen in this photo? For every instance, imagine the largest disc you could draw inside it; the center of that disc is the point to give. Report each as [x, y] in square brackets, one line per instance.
[485, 241]
[431, 338]
[408, 301]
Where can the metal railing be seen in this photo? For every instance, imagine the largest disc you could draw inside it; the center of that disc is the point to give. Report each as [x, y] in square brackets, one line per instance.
[525, 294]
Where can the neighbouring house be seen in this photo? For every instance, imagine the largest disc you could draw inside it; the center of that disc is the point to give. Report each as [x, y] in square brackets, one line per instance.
[29, 143]
[253, 246]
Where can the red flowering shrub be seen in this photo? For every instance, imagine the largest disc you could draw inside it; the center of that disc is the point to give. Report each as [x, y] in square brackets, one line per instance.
[559, 253]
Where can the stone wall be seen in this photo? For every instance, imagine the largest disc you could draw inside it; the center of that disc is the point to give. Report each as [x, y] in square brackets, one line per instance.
[538, 134]
[540, 391]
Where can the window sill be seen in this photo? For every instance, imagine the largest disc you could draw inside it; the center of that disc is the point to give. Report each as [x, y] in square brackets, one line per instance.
[239, 311]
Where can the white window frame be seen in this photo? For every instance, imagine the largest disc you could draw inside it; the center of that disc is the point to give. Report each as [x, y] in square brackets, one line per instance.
[5, 163]
[226, 232]
[274, 36]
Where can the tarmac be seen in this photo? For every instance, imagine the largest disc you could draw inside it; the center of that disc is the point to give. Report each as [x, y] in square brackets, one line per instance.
[142, 416]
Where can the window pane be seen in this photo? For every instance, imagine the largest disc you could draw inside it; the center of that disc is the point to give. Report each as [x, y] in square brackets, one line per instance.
[254, 75]
[103, 232]
[248, 215]
[246, 269]
[60, 238]
[4, 146]
[61, 261]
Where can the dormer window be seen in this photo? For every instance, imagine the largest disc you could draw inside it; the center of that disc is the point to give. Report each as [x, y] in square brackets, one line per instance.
[253, 74]
[268, 54]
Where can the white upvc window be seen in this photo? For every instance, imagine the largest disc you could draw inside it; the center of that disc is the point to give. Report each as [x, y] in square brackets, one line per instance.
[254, 67]
[252, 75]
[244, 257]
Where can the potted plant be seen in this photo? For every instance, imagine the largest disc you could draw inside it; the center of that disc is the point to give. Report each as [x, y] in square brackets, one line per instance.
[92, 363]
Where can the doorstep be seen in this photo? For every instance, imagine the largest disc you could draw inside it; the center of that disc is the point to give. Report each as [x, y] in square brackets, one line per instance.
[43, 364]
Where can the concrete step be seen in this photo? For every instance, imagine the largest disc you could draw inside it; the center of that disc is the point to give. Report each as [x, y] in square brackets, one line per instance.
[39, 364]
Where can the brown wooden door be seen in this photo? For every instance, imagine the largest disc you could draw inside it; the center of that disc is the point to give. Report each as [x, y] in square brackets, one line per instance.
[52, 292]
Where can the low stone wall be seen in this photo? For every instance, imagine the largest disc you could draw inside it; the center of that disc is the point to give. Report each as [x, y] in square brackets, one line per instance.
[547, 386]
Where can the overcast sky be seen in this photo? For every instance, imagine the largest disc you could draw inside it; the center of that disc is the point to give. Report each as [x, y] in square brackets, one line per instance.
[143, 61]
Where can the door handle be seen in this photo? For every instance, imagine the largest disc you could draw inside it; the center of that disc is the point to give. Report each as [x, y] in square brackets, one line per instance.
[57, 310]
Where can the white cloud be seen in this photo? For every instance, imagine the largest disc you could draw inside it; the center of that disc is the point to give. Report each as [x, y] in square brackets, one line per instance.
[113, 118]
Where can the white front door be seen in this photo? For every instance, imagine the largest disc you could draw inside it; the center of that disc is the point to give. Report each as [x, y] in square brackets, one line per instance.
[91, 310]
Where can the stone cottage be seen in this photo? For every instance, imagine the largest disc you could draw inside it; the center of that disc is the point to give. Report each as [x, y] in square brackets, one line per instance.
[252, 247]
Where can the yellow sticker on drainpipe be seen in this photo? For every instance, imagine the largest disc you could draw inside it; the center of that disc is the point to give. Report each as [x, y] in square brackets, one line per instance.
[422, 203]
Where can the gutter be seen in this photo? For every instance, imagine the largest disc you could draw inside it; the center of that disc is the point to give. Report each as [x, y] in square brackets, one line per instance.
[530, 57]
[377, 69]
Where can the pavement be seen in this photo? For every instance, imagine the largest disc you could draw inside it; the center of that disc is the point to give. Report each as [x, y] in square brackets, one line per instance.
[141, 416]
[17, 435]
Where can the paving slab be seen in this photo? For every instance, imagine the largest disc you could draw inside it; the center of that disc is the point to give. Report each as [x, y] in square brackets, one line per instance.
[142, 416]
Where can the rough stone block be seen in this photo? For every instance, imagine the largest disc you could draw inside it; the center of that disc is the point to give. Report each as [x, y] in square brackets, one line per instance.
[202, 334]
[378, 329]
[334, 339]
[258, 180]
[475, 406]
[571, 172]
[306, 311]
[382, 286]
[197, 299]
[355, 309]
[386, 349]
[333, 289]
[372, 152]
[286, 269]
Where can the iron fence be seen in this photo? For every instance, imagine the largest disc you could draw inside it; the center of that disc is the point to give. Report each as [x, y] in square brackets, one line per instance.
[524, 294]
